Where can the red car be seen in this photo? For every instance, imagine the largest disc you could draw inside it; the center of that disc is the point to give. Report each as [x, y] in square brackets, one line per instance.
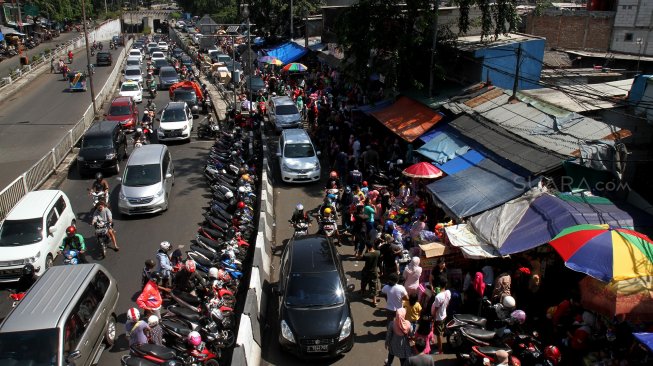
[123, 110]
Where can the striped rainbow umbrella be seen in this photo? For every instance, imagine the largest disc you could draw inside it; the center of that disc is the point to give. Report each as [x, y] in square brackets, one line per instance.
[270, 60]
[295, 67]
[604, 252]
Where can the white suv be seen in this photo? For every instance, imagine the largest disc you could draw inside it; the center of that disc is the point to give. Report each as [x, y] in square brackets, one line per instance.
[176, 122]
[33, 231]
[298, 159]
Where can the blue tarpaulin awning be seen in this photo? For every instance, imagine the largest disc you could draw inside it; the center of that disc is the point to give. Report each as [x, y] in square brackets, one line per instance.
[2, 37]
[477, 188]
[370, 108]
[465, 161]
[646, 339]
[288, 52]
[442, 146]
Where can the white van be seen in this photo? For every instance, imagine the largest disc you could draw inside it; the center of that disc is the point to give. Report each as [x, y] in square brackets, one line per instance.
[298, 160]
[33, 231]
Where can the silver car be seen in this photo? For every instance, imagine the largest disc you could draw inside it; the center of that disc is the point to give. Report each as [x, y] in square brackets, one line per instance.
[283, 113]
[133, 73]
[147, 181]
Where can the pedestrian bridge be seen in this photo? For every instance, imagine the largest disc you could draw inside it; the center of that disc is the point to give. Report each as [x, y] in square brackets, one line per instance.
[134, 21]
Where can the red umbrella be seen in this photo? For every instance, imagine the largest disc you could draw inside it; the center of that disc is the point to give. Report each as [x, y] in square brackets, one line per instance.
[423, 170]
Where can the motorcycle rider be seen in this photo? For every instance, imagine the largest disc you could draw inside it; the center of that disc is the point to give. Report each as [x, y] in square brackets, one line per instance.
[151, 106]
[333, 179]
[103, 213]
[73, 241]
[70, 56]
[150, 298]
[151, 85]
[139, 137]
[135, 328]
[100, 185]
[299, 215]
[27, 278]
[187, 279]
[164, 266]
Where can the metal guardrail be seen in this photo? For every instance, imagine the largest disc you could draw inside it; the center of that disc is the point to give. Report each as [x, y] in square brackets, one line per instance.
[41, 171]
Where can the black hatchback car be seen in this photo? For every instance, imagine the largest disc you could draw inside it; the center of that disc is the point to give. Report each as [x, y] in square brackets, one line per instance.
[315, 319]
[103, 146]
[103, 58]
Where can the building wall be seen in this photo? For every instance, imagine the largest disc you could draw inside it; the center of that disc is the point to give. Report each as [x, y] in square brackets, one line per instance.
[499, 64]
[577, 30]
[633, 22]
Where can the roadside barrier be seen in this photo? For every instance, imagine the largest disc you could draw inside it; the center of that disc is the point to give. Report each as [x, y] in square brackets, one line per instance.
[47, 165]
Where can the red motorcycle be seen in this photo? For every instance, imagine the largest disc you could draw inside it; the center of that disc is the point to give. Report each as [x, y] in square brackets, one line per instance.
[262, 108]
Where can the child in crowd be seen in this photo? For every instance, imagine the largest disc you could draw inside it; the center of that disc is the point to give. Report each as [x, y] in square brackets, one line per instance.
[413, 310]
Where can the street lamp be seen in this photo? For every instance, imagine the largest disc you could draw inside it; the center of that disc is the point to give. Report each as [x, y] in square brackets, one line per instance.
[88, 58]
[249, 55]
[639, 53]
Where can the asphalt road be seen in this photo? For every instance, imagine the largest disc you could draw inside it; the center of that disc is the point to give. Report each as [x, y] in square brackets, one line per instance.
[12, 63]
[369, 322]
[138, 237]
[34, 120]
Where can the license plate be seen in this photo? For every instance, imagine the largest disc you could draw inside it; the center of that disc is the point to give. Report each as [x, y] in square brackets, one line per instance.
[302, 175]
[95, 166]
[318, 348]
[175, 133]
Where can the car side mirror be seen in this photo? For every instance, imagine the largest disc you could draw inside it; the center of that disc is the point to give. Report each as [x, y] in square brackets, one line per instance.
[278, 154]
[318, 153]
[168, 175]
[350, 287]
[119, 179]
[52, 230]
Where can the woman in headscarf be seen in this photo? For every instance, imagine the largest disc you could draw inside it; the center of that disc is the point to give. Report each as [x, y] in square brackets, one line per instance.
[396, 339]
[412, 273]
[475, 293]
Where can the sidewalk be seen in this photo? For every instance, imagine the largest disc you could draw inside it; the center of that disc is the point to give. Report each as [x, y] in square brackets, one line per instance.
[12, 63]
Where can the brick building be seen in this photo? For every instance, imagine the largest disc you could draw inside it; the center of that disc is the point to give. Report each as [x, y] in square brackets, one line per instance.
[574, 30]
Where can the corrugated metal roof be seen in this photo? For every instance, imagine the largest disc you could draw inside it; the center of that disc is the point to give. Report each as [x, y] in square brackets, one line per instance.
[506, 146]
[581, 98]
[543, 124]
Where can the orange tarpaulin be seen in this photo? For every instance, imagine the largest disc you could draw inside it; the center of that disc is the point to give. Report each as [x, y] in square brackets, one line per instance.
[188, 85]
[408, 118]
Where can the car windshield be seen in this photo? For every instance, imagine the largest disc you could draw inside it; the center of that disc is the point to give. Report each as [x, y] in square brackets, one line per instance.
[170, 73]
[314, 289]
[286, 109]
[142, 175]
[133, 62]
[132, 72]
[135, 53]
[158, 55]
[160, 62]
[299, 151]
[185, 95]
[96, 142]
[21, 232]
[129, 87]
[119, 110]
[16, 348]
[173, 115]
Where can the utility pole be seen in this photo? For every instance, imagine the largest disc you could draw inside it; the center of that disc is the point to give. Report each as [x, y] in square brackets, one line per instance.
[433, 45]
[20, 20]
[516, 83]
[305, 28]
[291, 21]
[88, 57]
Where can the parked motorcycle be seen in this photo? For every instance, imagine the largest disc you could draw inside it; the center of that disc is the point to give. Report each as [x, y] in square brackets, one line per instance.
[102, 236]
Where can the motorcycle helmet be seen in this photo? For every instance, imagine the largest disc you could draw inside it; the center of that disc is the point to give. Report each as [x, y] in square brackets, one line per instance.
[552, 353]
[133, 315]
[508, 302]
[153, 320]
[246, 177]
[165, 245]
[229, 195]
[98, 176]
[327, 211]
[331, 197]
[241, 205]
[71, 230]
[155, 276]
[213, 272]
[139, 130]
[194, 339]
[241, 189]
[519, 315]
[400, 162]
[28, 270]
[364, 183]
[190, 265]
[348, 189]
[333, 174]
[299, 207]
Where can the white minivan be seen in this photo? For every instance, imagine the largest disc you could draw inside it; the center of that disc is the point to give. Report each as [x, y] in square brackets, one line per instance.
[298, 160]
[33, 231]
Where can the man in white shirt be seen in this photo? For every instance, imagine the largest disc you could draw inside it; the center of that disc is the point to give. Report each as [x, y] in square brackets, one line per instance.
[439, 311]
[395, 295]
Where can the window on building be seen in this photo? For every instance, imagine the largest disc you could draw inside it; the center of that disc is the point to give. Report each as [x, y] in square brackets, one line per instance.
[628, 37]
